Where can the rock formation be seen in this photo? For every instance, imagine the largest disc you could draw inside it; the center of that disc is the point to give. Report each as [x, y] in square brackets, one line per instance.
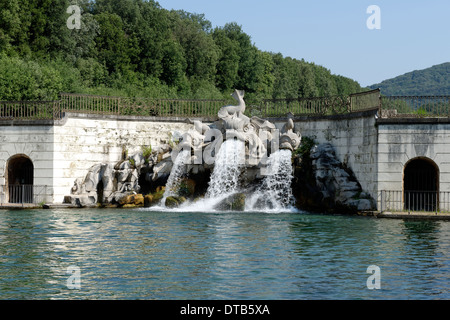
[324, 184]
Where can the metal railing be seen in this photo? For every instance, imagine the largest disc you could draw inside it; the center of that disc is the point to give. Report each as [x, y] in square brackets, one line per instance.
[107, 105]
[388, 106]
[136, 106]
[414, 201]
[23, 194]
[363, 101]
[415, 107]
[305, 106]
[84, 103]
[322, 106]
[29, 110]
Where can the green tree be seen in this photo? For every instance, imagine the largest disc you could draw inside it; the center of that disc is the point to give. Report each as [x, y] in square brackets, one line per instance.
[324, 82]
[81, 43]
[152, 33]
[28, 80]
[200, 51]
[307, 85]
[286, 74]
[346, 86]
[47, 31]
[10, 25]
[174, 65]
[197, 19]
[136, 47]
[264, 76]
[247, 55]
[228, 64]
[92, 72]
[112, 43]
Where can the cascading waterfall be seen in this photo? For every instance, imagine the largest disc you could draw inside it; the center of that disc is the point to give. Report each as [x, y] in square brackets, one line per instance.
[176, 173]
[239, 138]
[227, 168]
[224, 180]
[275, 191]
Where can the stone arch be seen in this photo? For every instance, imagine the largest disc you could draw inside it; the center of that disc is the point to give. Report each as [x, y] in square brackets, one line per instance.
[20, 179]
[421, 184]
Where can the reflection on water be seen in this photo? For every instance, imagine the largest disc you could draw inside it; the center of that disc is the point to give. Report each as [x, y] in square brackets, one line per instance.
[140, 254]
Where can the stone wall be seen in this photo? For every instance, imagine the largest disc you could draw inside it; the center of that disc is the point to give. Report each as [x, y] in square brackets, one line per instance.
[401, 141]
[376, 150]
[32, 141]
[64, 151]
[355, 140]
[83, 141]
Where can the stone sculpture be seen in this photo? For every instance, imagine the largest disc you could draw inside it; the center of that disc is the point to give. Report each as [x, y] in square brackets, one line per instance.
[289, 139]
[232, 117]
[257, 134]
[261, 138]
[85, 192]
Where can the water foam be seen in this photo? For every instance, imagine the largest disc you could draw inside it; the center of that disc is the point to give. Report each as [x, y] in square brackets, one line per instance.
[275, 191]
[178, 169]
[227, 168]
[274, 194]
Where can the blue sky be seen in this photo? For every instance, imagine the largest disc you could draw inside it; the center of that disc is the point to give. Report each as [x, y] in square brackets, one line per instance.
[414, 34]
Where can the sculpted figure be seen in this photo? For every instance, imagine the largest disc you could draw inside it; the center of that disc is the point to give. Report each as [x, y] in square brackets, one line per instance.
[107, 177]
[233, 116]
[163, 167]
[84, 191]
[127, 177]
[77, 187]
[193, 140]
[92, 178]
[289, 139]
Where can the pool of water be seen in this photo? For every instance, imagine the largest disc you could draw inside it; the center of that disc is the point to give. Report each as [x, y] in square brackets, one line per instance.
[145, 254]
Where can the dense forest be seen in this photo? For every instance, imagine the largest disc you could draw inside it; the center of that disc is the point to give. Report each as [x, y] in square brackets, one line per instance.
[138, 48]
[434, 81]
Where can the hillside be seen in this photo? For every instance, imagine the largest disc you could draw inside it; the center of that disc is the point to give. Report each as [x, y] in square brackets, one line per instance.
[137, 48]
[432, 81]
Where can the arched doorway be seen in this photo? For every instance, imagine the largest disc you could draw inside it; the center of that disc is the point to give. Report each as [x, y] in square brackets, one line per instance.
[20, 171]
[421, 185]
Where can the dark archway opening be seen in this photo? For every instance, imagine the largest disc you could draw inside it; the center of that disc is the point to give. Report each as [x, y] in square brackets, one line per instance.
[421, 185]
[20, 179]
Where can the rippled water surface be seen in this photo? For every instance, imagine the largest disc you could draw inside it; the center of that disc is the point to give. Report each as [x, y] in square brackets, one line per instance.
[142, 254]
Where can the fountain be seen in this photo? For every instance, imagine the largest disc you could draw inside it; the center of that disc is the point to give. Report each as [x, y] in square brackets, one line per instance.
[227, 169]
[175, 175]
[249, 161]
[275, 191]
